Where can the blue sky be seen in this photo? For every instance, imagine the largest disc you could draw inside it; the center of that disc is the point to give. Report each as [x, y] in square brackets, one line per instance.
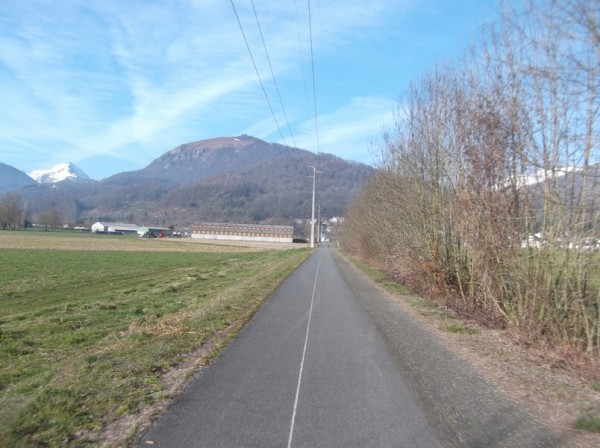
[110, 85]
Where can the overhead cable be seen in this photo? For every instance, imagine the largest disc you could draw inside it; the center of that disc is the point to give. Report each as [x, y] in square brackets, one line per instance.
[262, 84]
[257, 72]
[287, 121]
[312, 60]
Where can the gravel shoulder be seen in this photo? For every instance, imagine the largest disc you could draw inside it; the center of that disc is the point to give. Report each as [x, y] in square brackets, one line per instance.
[478, 388]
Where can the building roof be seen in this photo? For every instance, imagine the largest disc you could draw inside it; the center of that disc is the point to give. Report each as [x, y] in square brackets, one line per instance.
[119, 225]
[218, 227]
[240, 226]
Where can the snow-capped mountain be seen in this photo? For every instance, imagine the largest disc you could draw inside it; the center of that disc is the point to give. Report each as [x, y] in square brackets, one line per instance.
[60, 173]
[541, 175]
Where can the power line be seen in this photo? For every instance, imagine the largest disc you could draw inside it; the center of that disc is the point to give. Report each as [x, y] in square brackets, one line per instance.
[287, 121]
[279, 95]
[312, 61]
[304, 84]
[262, 84]
[257, 72]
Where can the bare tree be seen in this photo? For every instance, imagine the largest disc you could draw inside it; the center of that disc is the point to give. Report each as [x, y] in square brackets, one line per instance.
[10, 213]
[51, 220]
[488, 189]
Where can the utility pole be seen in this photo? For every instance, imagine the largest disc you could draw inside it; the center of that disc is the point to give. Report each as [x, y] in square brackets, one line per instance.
[319, 224]
[312, 216]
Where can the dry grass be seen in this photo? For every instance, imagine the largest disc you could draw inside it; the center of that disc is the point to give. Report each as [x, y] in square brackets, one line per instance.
[88, 241]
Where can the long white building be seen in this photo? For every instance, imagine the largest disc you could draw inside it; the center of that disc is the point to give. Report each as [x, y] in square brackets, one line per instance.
[243, 232]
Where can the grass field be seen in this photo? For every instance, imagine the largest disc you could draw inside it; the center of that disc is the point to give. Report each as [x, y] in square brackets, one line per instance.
[88, 334]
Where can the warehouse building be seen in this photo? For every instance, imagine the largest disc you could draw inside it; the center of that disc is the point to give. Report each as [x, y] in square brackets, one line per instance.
[243, 232]
[117, 228]
[150, 232]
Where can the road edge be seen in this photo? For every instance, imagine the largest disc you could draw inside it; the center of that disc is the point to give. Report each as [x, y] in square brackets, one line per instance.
[467, 408]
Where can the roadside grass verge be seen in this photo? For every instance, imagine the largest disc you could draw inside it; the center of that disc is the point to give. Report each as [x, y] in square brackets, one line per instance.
[588, 422]
[447, 322]
[379, 277]
[87, 337]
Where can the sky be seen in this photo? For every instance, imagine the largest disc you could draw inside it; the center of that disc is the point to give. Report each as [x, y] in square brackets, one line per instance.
[110, 85]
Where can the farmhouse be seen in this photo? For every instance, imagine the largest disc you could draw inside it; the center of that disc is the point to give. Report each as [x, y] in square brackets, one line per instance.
[243, 232]
[114, 227]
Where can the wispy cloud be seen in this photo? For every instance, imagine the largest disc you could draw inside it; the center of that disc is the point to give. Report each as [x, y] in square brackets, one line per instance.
[349, 131]
[84, 78]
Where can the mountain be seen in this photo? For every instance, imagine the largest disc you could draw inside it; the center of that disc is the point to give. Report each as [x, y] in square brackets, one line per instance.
[60, 173]
[238, 179]
[209, 158]
[540, 176]
[13, 179]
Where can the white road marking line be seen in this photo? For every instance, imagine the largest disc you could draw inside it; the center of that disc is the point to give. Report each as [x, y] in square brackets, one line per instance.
[312, 300]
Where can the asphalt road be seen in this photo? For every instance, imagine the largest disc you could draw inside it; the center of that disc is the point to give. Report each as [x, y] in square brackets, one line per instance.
[329, 362]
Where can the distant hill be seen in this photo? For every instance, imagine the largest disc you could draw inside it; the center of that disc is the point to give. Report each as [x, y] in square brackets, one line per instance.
[12, 179]
[238, 179]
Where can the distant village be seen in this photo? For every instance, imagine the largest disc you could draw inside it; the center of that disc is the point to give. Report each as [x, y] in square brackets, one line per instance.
[217, 231]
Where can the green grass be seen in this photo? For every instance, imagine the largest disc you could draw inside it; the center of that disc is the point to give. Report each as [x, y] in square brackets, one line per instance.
[380, 278]
[458, 328]
[424, 306]
[588, 422]
[428, 308]
[86, 336]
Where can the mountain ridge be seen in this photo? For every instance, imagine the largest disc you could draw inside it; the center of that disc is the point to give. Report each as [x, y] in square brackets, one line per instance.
[208, 158]
[237, 179]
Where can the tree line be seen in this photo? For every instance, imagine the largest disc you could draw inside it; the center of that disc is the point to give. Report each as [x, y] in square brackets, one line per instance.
[13, 215]
[488, 188]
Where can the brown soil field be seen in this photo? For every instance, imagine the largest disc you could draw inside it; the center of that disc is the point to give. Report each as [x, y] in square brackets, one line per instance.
[85, 241]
